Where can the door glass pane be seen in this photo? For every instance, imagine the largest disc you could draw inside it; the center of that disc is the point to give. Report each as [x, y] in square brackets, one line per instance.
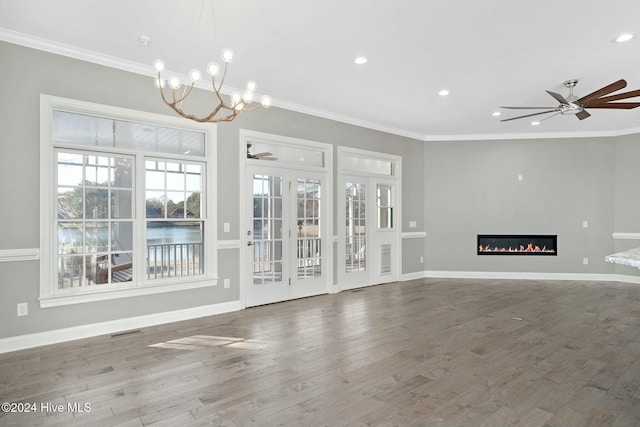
[355, 229]
[385, 209]
[308, 241]
[267, 229]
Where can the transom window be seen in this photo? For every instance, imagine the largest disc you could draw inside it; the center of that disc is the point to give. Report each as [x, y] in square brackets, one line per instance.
[125, 203]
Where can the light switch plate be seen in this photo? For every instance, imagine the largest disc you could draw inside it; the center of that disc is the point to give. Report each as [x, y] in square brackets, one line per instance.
[23, 309]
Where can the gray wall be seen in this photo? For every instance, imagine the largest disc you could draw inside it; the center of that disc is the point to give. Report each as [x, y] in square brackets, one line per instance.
[472, 187]
[26, 73]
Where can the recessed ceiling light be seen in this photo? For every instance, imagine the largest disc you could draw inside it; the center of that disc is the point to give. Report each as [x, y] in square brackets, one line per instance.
[496, 113]
[535, 123]
[360, 60]
[624, 38]
[443, 92]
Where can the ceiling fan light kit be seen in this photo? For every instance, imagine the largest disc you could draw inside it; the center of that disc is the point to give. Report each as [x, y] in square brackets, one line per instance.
[572, 105]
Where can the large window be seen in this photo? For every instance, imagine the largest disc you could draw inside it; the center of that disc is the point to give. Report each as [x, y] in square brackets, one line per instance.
[124, 197]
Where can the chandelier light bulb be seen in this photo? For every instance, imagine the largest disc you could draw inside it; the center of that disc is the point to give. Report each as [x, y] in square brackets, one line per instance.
[235, 98]
[159, 83]
[251, 85]
[213, 69]
[174, 83]
[266, 101]
[227, 55]
[158, 64]
[248, 96]
[195, 75]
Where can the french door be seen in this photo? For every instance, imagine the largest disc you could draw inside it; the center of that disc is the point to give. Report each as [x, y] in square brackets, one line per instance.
[369, 237]
[285, 235]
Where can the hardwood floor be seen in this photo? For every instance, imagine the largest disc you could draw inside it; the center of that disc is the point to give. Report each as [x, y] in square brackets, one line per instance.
[432, 352]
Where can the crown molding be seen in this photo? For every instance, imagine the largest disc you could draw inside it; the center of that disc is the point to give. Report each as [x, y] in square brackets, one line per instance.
[34, 42]
[528, 135]
[347, 119]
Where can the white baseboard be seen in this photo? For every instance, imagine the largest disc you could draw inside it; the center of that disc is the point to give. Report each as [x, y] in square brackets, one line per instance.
[86, 331]
[521, 276]
[412, 276]
[626, 279]
[517, 275]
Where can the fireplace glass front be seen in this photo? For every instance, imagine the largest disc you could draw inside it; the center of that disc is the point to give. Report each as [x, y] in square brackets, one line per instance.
[516, 244]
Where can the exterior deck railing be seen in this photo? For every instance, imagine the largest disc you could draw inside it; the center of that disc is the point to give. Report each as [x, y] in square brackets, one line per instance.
[174, 260]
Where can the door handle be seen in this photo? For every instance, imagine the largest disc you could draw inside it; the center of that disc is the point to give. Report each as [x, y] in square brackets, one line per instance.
[249, 243]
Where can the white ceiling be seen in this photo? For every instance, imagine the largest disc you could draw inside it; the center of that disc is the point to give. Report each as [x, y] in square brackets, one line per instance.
[486, 53]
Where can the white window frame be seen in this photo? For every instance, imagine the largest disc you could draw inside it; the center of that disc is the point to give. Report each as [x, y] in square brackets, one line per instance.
[50, 296]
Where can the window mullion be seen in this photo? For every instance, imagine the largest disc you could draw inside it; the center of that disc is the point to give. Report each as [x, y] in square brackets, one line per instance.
[140, 246]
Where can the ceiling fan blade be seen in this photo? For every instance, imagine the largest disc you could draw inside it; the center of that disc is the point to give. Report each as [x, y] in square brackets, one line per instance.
[583, 115]
[558, 97]
[617, 97]
[620, 84]
[553, 115]
[528, 108]
[530, 115]
[617, 105]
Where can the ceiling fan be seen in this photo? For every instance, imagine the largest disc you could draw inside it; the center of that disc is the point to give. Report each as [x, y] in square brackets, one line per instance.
[572, 105]
[262, 156]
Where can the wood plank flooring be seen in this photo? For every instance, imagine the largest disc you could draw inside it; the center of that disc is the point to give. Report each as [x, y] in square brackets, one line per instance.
[431, 352]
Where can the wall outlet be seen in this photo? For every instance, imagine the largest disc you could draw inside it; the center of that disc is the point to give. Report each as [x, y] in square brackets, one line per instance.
[413, 224]
[23, 309]
[585, 261]
[421, 260]
[226, 227]
[585, 224]
[227, 283]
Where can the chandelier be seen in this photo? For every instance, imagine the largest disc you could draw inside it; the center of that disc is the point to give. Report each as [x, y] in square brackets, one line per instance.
[228, 107]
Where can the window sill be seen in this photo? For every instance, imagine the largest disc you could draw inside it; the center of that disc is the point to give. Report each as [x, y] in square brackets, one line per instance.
[104, 295]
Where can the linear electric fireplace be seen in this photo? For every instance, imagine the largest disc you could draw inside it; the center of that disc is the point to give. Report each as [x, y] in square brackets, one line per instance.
[517, 244]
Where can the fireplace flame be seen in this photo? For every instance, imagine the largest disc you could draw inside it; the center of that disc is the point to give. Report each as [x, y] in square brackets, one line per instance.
[530, 247]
